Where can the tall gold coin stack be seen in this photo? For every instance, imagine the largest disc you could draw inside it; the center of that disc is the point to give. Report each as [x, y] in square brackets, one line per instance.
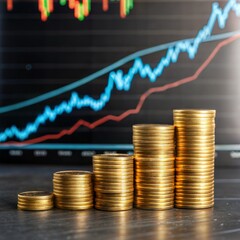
[73, 190]
[195, 135]
[154, 166]
[35, 201]
[113, 181]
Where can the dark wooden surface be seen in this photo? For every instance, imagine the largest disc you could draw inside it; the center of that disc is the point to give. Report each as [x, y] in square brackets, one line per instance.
[221, 222]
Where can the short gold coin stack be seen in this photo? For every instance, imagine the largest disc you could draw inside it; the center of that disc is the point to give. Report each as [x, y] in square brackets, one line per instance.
[113, 181]
[154, 166]
[73, 190]
[195, 135]
[35, 201]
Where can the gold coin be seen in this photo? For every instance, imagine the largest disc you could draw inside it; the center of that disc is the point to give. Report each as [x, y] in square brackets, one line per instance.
[154, 142]
[195, 171]
[69, 207]
[74, 203]
[157, 176]
[73, 194]
[158, 171]
[183, 181]
[186, 118]
[115, 199]
[114, 181]
[144, 192]
[35, 202]
[114, 195]
[194, 145]
[43, 208]
[152, 181]
[195, 163]
[191, 196]
[153, 127]
[97, 169]
[114, 185]
[201, 112]
[144, 146]
[199, 203]
[111, 166]
[153, 205]
[155, 196]
[72, 183]
[35, 206]
[113, 190]
[73, 174]
[194, 185]
[113, 209]
[113, 163]
[41, 195]
[72, 189]
[111, 178]
[114, 172]
[155, 165]
[75, 197]
[106, 204]
[152, 185]
[193, 206]
[114, 157]
[192, 166]
[195, 199]
[162, 160]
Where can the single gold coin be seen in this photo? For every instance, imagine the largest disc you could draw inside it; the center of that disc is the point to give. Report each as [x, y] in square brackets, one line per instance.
[73, 183]
[113, 190]
[196, 162]
[112, 157]
[72, 174]
[35, 202]
[113, 186]
[114, 195]
[199, 203]
[113, 209]
[41, 195]
[114, 167]
[156, 175]
[194, 199]
[42, 208]
[139, 179]
[112, 204]
[155, 127]
[73, 194]
[152, 185]
[208, 194]
[194, 206]
[161, 193]
[69, 207]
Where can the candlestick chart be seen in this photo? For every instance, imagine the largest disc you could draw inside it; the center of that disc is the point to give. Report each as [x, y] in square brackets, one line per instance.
[75, 88]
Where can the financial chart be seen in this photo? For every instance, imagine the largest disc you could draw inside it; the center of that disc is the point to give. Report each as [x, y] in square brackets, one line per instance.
[76, 75]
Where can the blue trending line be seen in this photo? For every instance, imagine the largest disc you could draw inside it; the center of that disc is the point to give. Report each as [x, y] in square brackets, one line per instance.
[122, 82]
[95, 147]
[63, 146]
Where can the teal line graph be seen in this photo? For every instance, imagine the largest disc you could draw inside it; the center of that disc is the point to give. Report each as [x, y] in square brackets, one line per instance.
[117, 79]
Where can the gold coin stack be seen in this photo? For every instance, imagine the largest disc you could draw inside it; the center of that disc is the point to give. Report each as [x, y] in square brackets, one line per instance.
[113, 181]
[195, 135]
[154, 166]
[73, 190]
[35, 201]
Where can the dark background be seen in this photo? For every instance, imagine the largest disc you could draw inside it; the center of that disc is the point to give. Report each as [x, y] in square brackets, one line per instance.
[37, 57]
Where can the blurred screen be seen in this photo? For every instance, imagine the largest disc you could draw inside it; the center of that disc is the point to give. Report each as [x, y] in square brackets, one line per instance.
[76, 75]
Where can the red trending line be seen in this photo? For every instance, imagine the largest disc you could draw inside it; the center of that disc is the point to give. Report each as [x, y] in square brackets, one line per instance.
[9, 5]
[130, 111]
[105, 4]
